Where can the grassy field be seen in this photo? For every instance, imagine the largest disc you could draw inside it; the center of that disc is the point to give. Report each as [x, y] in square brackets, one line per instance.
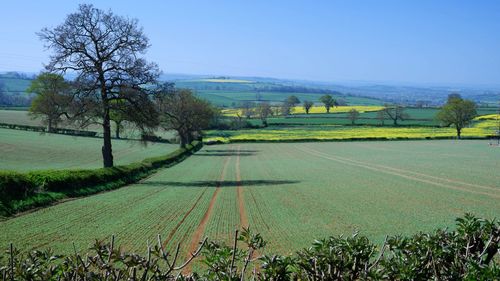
[23, 151]
[291, 193]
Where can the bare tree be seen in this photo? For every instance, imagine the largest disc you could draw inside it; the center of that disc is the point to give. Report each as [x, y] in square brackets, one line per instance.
[395, 113]
[104, 50]
[247, 109]
[264, 110]
[381, 117]
[353, 115]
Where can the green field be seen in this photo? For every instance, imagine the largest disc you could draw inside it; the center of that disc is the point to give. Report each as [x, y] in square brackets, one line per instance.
[23, 151]
[292, 193]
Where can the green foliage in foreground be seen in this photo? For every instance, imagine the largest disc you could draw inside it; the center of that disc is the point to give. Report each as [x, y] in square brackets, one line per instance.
[468, 253]
[23, 191]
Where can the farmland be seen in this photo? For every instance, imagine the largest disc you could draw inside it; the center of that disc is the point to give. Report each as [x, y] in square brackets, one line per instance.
[378, 188]
[23, 151]
[480, 129]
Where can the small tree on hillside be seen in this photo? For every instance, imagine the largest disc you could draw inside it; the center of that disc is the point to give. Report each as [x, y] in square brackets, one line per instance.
[52, 99]
[457, 112]
[328, 101]
[247, 109]
[292, 101]
[308, 105]
[264, 110]
[285, 109]
[353, 115]
[381, 117]
[182, 111]
[395, 113]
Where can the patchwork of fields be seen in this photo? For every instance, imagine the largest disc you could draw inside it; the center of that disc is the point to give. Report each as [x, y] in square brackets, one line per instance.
[24, 151]
[289, 192]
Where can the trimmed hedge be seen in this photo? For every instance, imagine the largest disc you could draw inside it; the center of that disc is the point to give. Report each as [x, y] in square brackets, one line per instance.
[22, 191]
[63, 131]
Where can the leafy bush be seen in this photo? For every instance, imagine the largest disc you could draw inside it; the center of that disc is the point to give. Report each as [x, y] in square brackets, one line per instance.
[468, 253]
[22, 191]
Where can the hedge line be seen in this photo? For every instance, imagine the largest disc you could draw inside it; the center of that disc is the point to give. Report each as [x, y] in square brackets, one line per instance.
[212, 142]
[23, 191]
[63, 131]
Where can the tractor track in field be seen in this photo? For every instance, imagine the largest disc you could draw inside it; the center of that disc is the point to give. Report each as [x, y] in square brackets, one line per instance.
[200, 229]
[239, 193]
[174, 230]
[393, 171]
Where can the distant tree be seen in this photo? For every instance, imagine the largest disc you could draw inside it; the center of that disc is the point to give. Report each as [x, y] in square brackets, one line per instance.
[381, 117]
[395, 113]
[104, 50]
[308, 105]
[353, 115]
[457, 112]
[328, 101]
[264, 110]
[247, 109]
[293, 101]
[52, 100]
[187, 114]
[285, 109]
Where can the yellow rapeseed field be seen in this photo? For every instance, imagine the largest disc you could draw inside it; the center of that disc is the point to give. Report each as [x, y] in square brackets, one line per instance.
[339, 109]
[233, 112]
[480, 129]
[488, 117]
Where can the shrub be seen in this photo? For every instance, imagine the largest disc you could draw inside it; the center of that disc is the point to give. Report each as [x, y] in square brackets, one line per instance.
[468, 253]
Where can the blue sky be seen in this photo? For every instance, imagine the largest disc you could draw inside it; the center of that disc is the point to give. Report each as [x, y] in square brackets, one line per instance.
[438, 42]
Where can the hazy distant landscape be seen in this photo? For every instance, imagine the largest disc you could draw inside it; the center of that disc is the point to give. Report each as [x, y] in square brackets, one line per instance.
[252, 140]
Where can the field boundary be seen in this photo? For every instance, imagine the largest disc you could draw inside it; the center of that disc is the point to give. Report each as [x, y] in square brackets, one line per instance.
[20, 192]
[229, 141]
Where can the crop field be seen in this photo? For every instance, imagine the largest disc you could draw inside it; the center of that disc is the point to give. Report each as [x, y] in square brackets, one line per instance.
[336, 132]
[291, 193]
[24, 151]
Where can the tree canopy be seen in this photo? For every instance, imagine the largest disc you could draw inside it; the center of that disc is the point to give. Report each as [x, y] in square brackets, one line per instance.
[104, 50]
[187, 114]
[307, 105]
[52, 100]
[457, 112]
[328, 101]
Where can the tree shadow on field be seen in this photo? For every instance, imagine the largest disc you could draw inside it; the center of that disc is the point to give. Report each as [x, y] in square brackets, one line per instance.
[227, 152]
[242, 183]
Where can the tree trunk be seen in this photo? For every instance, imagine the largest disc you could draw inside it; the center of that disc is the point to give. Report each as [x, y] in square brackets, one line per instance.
[183, 141]
[327, 110]
[117, 131]
[107, 153]
[395, 122]
[50, 129]
[459, 132]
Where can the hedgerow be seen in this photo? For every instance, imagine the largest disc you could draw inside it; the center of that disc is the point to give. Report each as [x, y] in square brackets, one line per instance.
[23, 191]
[470, 252]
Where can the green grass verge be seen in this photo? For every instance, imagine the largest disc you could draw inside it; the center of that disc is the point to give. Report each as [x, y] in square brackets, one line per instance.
[23, 191]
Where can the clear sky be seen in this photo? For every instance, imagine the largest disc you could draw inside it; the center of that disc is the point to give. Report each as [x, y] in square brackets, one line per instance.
[434, 41]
